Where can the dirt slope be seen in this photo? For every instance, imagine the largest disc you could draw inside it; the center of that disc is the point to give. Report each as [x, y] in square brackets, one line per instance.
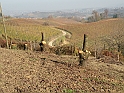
[35, 72]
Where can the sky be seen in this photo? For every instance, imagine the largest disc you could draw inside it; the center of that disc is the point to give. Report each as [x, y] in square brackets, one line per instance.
[54, 5]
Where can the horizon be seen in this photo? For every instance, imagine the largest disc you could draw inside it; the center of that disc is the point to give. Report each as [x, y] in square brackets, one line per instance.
[22, 6]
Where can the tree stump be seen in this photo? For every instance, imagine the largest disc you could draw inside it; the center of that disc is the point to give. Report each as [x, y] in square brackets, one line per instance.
[81, 58]
[42, 45]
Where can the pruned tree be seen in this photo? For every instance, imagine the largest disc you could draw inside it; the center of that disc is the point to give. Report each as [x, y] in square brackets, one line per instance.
[43, 43]
[84, 53]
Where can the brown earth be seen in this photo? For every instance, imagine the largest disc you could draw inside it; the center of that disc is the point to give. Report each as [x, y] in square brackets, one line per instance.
[36, 72]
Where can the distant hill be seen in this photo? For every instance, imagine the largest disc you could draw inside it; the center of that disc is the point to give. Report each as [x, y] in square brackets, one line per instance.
[48, 14]
[80, 13]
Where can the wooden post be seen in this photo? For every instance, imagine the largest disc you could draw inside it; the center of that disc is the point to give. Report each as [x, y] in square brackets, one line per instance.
[119, 46]
[104, 47]
[10, 43]
[95, 50]
[34, 45]
[42, 36]
[31, 45]
[4, 26]
[85, 42]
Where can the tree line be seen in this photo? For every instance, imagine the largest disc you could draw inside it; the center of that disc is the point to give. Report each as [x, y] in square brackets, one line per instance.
[98, 16]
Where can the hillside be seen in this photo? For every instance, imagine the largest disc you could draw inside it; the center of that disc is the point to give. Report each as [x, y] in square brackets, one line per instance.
[28, 29]
[77, 13]
[96, 31]
[36, 72]
[44, 72]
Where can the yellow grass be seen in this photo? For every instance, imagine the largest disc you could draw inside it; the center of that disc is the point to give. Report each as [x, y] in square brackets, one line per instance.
[28, 29]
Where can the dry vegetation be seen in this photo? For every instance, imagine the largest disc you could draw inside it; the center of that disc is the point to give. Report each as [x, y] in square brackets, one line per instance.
[95, 30]
[23, 29]
[35, 72]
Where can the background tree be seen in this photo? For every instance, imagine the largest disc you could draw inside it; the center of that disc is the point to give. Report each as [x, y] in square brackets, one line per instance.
[102, 15]
[106, 13]
[90, 19]
[116, 16]
[96, 15]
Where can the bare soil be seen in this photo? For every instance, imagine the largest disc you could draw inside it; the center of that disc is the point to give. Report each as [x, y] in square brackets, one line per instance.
[36, 72]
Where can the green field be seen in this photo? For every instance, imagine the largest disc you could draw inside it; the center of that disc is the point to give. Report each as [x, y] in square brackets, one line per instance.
[27, 30]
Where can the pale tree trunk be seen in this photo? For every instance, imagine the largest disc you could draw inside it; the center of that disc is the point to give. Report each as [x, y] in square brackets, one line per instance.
[4, 26]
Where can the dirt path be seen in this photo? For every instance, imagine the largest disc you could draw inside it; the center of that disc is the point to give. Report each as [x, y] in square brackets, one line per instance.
[64, 33]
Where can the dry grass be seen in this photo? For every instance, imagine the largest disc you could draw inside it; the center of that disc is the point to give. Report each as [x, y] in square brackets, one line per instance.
[94, 30]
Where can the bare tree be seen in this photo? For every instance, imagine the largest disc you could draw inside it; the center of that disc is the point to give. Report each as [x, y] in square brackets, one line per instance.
[115, 40]
[106, 13]
[95, 15]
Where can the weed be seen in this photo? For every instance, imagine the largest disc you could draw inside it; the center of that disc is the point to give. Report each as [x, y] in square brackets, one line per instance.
[32, 59]
[69, 91]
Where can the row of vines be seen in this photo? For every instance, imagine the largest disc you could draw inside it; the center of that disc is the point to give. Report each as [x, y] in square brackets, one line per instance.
[27, 31]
